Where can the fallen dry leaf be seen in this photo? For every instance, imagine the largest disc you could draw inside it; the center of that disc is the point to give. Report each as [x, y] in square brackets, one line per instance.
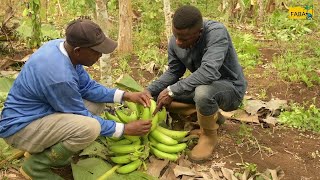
[168, 174]
[156, 166]
[240, 115]
[214, 174]
[252, 106]
[180, 170]
[272, 121]
[228, 173]
[184, 163]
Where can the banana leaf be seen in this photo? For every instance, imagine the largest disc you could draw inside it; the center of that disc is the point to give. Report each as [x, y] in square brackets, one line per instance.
[126, 82]
[93, 168]
[5, 84]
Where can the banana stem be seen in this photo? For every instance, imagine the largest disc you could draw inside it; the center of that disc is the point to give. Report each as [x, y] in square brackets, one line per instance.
[107, 174]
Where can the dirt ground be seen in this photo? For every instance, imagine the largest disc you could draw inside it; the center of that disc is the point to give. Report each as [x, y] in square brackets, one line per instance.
[294, 152]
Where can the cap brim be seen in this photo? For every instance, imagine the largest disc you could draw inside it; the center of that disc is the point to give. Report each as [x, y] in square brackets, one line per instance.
[106, 47]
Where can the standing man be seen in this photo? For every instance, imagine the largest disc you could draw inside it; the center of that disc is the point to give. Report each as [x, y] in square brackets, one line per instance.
[52, 109]
[217, 80]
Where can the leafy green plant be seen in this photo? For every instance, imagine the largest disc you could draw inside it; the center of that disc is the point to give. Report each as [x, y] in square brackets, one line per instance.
[278, 26]
[262, 94]
[152, 54]
[247, 49]
[81, 7]
[250, 167]
[244, 133]
[123, 65]
[297, 67]
[33, 12]
[48, 31]
[302, 118]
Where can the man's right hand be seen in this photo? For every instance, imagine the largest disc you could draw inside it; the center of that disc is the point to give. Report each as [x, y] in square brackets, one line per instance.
[137, 128]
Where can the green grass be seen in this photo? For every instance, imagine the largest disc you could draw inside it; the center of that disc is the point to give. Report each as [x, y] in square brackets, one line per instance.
[246, 48]
[302, 118]
[296, 66]
[279, 27]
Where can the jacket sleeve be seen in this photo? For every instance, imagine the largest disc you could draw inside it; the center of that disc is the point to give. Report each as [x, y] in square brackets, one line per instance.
[65, 97]
[214, 54]
[176, 69]
[95, 92]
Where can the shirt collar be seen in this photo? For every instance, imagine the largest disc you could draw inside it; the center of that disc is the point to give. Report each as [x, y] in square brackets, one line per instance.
[62, 49]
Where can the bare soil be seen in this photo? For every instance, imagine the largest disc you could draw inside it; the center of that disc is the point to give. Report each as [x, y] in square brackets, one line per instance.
[292, 151]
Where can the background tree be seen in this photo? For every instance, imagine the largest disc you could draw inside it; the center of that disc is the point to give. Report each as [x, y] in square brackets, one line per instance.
[102, 20]
[125, 27]
[168, 18]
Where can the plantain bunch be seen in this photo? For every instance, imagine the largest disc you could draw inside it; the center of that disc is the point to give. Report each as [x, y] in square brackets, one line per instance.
[131, 151]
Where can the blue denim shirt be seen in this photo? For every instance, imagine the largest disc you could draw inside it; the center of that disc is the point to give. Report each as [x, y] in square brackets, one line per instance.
[212, 58]
[49, 83]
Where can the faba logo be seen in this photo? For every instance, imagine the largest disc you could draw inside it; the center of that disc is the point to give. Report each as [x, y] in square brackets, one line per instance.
[301, 12]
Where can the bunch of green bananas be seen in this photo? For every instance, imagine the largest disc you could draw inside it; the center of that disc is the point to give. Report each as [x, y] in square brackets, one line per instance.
[131, 151]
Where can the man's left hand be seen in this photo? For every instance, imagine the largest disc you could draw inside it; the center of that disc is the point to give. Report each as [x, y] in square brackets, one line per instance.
[138, 97]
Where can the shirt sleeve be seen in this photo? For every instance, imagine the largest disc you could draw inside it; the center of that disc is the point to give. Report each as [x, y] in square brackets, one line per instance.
[95, 92]
[212, 60]
[65, 97]
[175, 71]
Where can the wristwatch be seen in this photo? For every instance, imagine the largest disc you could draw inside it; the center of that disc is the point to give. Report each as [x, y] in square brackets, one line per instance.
[170, 93]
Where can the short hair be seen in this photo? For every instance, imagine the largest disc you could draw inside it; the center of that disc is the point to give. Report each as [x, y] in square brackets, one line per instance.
[187, 17]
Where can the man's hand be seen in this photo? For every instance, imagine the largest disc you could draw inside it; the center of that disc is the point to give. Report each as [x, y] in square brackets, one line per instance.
[137, 128]
[163, 100]
[138, 97]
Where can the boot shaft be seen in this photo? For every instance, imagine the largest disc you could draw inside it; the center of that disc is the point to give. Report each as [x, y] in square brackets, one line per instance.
[208, 123]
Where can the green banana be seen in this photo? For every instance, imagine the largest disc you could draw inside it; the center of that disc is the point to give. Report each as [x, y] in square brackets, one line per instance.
[112, 117]
[140, 109]
[146, 115]
[153, 106]
[152, 140]
[120, 142]
[154, 122]
[132, 138]
[125, 149]
[128, 168]
[162, 114]
[164, 155]
[124, 159]
[132, 106]
[164, 139]
[170, 149]
[177, 135]
[125, 118]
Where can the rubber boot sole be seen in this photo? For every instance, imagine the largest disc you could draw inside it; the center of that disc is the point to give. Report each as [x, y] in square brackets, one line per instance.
[200, 161]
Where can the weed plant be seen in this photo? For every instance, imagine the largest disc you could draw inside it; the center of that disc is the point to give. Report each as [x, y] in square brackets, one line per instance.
[302, 118]
[296, 66]
[247, 49]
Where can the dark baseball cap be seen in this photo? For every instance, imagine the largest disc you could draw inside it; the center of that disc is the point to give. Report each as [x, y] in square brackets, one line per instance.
[85, 33]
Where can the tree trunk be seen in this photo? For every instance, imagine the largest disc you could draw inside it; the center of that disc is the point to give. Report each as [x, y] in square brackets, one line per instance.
[168, 18]
[105, 62]
[260, 12]
[125, 27]
[271, 5]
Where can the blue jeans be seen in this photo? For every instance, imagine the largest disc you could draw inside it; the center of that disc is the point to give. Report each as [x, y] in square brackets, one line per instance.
[209, 98]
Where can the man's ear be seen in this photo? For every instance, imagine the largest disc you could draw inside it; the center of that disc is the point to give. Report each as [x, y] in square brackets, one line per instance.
[76, 50]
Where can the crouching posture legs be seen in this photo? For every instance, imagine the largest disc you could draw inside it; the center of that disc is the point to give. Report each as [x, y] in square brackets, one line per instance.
[208, 99]
[51, 141]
